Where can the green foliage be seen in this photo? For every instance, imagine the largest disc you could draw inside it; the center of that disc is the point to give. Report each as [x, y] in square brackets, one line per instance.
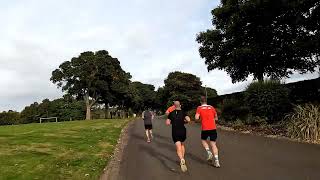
[306, 91]
[211, 93]
[65, 109]
[9, 118]
[304, 122]
[192, 114]
[30, 113]
[255, 121]
[268, 99]
[234, 109]
[238, 124]
[184, 87]
[143, 96]
[262, 38]
[94, 77]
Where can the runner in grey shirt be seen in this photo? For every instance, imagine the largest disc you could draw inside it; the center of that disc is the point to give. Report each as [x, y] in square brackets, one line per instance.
[147, 117]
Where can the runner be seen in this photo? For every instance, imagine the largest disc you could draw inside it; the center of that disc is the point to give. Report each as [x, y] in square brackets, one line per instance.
[147, 117]
[177, 119]
[208, 116]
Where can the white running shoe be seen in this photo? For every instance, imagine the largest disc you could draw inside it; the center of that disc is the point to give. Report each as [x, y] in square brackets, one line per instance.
[183, 165]
[216, 163]
[210, 156]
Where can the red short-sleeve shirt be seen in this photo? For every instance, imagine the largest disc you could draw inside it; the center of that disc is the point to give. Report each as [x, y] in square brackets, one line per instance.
[207, 115]
[170, 109]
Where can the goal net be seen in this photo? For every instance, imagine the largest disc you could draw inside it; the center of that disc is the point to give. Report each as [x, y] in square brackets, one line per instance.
[49, 119]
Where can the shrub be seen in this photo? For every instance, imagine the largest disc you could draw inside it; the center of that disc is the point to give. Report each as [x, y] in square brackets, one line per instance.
[9, 118]
[268, 99]
[233, 109]
[191, 113]
[256, 121]
[304, 122]
[238, 124]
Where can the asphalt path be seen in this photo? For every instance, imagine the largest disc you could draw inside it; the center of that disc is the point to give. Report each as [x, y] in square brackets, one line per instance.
[242, 156]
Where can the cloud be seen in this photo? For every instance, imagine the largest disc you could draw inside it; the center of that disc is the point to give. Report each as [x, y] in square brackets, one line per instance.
[150, 38]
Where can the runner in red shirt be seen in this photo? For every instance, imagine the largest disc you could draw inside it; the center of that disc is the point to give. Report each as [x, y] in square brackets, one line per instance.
[208, 116]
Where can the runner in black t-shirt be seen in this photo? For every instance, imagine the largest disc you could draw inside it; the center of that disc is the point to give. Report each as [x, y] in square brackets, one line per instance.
[177, 119]
[147, 117]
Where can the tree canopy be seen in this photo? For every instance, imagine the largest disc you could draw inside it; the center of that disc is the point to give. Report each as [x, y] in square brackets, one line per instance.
[143, 96]
[94, 77]
[184, 87]
[262, 38]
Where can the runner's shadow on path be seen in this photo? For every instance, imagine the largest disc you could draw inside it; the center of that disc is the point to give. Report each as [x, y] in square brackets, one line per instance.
[157, 136]
[188, 155]
[164, 159]
[170, 147]
[138, 137]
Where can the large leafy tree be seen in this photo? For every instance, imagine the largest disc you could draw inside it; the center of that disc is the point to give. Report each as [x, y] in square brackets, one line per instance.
[30, 113]
[91, 76]
[142, 96]
[262, 38]
[184, 87]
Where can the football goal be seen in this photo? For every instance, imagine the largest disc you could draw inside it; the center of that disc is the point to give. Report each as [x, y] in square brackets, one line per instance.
[48, 119]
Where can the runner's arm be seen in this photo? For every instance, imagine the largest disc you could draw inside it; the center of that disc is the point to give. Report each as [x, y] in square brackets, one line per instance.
[187, 119]
[168, 121]
[197, 116]
[216, 115]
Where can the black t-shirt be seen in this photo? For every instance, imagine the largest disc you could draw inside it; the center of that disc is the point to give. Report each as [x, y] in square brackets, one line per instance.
[177, 118]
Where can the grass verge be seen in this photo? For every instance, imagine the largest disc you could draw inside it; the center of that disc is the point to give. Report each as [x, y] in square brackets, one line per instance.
[68, 150]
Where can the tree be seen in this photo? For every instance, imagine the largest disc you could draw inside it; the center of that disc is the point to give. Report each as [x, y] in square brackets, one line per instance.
[90, 76]
[30, 113]
[261, 38]
[9, 118]
[142, 96]
[184, 87]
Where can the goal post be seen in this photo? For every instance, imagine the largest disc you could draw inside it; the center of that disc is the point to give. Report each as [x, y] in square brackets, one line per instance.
[41, 119]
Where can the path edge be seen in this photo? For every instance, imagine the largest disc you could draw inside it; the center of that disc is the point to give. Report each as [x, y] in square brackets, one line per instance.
[278, 137]
[112, 170]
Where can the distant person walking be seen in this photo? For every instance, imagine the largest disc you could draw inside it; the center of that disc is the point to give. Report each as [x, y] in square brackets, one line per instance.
[147, 117]
[208, 116]
[177, 119]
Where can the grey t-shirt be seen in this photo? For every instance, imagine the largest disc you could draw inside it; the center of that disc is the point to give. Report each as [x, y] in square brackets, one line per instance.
[147, 117]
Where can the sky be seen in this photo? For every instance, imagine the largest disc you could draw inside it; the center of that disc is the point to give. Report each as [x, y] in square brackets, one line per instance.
[150, 39]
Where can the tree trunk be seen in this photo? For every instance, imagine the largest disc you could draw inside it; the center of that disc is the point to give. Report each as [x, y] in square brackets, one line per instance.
[88, 113]
[88, 106]
[106, 111]
[260, 77]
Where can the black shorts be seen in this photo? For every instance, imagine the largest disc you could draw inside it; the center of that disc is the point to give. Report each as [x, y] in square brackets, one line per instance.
[211, 134]
[179, 135]
[148, 126]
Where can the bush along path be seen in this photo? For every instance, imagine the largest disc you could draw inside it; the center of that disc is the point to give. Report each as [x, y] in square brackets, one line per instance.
[243, 156]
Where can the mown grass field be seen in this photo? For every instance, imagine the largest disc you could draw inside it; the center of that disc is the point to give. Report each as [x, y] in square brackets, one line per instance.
[67, 150]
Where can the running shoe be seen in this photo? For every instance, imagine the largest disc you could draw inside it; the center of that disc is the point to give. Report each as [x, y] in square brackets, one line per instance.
[216, 163]
[183, 165]
[210, 156]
